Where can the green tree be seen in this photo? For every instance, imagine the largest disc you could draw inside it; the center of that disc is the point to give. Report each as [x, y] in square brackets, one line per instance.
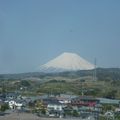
[25, 83]
[75, 113]
[39, 107]
[111, 94]
[4, 107]
[108, 107]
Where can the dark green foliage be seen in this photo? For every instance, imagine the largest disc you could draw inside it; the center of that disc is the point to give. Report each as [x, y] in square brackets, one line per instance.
[25, 83]
[4, 107]
[115, 83]
[102, 74]
[93, 92]
[108, 74]
[111, 94]
[75, 113]
[56, 81]
[108, 107]
[117, 116]
[43, 111]
[31, 104]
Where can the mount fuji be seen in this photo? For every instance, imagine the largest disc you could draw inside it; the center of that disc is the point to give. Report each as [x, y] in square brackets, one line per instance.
[66, 62]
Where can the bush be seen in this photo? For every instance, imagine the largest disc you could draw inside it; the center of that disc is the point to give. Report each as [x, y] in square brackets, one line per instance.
[4, 107]
[75, 113]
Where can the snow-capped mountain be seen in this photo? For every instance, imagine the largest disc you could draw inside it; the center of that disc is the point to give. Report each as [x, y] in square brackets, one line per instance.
[67, 62]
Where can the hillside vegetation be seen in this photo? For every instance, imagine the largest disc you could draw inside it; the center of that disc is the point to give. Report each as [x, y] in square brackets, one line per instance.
[106, 84]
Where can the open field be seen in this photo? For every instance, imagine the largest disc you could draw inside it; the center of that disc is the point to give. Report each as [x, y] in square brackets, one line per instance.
[27, 116]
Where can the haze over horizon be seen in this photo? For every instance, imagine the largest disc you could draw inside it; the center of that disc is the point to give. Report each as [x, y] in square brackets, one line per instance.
[34, 32]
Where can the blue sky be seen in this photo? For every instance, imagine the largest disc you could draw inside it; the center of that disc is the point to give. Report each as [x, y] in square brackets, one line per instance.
[33, 32]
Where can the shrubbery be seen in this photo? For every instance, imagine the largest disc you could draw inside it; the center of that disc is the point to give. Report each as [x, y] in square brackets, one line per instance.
[4, 107]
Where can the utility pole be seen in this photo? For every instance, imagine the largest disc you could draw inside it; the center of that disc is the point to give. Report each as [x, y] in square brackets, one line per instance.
[94, 71]
[82, 92]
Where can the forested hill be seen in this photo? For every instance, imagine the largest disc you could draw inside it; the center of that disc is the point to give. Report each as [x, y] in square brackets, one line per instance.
[101, 74]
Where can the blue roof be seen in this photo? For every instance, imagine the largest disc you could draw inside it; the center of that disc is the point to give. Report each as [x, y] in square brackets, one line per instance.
[108, 101]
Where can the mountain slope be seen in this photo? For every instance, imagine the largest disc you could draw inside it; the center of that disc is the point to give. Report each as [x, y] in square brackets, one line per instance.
[67, 62]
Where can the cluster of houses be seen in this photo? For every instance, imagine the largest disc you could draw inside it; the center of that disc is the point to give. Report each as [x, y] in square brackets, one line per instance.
[58, 105]
[13, 100]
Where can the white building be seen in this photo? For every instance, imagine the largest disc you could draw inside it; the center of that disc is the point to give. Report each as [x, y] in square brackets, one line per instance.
[15, 104]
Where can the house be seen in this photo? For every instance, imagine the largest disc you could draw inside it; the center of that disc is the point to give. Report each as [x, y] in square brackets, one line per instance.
[65, 98]
[15, 104]
[53, 106]
[2, 97]
[12, 95]
[85, 103]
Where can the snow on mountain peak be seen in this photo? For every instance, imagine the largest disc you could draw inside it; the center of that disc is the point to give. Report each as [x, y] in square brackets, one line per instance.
[67, 62]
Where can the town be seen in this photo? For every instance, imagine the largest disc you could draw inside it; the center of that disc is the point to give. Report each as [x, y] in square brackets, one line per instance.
[64, 106]
[66, 95]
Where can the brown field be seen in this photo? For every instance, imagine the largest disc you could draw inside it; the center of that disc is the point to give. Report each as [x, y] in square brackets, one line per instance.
[28, 116]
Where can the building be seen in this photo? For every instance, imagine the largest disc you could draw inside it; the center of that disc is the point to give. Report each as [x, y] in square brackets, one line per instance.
[109, 101]
[85, 103]
[15, 104]
[53, 106]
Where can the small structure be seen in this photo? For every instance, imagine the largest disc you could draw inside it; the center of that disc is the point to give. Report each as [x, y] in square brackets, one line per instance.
[65, 98]
[15, 104]
[109, 115]
[54, 107]
[11, 95]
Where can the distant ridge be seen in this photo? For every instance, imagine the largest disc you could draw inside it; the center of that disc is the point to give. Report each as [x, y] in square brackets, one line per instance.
[66, 62]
